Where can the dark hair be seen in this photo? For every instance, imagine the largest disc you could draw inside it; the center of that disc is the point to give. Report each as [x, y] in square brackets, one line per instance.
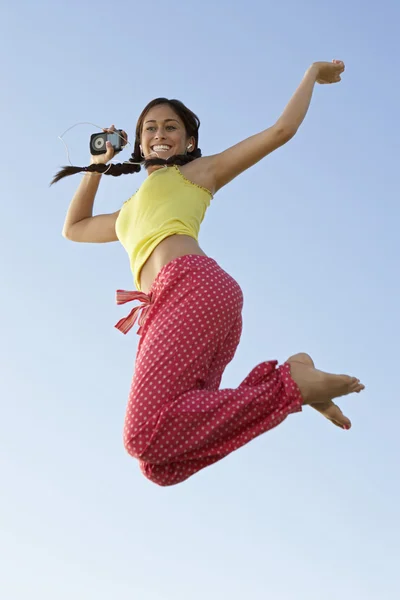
[192, 124]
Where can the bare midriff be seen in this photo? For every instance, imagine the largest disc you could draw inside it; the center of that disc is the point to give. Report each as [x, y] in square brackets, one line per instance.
[166, 251]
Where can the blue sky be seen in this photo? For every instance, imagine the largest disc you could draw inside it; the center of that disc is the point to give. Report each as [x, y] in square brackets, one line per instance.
[306, 511]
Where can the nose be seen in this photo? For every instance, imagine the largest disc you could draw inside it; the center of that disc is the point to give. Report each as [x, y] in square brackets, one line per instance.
[160, 133]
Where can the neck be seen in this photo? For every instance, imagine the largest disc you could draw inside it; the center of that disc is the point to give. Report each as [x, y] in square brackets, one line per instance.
[153, 164]
[153, 168]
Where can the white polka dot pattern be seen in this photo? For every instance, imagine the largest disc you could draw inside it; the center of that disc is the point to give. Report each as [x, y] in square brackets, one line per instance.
[178, 421]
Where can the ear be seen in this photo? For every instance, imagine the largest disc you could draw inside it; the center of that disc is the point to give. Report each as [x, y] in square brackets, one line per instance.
[191, 144]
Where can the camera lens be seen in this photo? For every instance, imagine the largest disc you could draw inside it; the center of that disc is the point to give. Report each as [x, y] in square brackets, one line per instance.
[99, 143]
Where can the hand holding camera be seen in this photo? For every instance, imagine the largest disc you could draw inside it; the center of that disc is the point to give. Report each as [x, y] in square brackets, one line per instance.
[104, 146]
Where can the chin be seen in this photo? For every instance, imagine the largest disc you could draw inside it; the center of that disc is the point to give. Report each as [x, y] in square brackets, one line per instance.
[154, 154]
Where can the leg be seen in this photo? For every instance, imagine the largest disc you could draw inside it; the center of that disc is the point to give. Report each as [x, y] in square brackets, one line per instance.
[213, 423]
[178, 421]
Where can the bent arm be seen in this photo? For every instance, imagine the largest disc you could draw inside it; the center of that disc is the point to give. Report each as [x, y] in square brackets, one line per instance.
[229, 164]
[80, 225]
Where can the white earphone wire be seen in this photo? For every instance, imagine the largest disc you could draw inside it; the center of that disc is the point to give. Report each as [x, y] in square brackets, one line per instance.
[60, 137]
[126, 162]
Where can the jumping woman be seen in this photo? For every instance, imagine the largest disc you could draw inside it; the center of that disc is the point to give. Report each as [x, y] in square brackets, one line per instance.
[178, 420]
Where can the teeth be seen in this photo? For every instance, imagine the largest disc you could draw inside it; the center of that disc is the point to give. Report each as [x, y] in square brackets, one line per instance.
[160, 148]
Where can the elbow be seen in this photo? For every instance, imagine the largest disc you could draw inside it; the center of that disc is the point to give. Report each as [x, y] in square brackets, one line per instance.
[67, 234]
[286, 133]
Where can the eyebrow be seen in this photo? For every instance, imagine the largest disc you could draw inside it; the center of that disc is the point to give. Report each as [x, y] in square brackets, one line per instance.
[165, 121]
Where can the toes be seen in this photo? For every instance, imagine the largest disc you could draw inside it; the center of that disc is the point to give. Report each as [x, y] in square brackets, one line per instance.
[332, 412]
[346, 426]
[353, 384]
[356, 386]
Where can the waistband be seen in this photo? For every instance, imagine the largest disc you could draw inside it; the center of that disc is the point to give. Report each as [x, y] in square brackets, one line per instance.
[123, 296]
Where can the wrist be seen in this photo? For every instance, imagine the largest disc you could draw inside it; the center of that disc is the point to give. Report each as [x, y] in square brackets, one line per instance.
[94, 161]
[313, 71]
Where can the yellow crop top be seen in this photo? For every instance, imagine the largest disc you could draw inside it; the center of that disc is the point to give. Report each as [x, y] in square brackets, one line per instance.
[165, 204]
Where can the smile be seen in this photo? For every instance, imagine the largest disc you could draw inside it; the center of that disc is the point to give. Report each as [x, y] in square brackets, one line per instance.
[161, 148]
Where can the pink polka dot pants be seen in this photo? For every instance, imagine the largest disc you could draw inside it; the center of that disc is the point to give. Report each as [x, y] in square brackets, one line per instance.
[178, 421]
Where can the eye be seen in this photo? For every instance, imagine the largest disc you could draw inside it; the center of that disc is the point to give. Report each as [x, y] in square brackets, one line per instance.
[171, 127]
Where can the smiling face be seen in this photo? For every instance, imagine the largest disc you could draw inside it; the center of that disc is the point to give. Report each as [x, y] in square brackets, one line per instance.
[163, 133]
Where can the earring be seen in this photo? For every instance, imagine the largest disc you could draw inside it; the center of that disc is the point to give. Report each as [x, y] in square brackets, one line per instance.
[190, 145]
[141, 152]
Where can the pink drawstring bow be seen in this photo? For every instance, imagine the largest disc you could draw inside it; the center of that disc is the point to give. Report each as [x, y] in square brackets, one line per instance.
[125, 324]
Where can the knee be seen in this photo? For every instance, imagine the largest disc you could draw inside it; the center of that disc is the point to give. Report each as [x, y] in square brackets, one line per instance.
[132, 448]
[163, 475]
[152, 474]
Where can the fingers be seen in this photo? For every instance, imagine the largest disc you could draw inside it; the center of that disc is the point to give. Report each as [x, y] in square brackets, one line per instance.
[110, 152]
[340, 65]
[125, 137]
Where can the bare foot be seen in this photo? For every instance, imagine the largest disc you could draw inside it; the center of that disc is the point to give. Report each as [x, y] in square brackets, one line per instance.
[318, 388]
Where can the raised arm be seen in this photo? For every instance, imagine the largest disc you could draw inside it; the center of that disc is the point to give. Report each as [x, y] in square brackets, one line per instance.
[80, 225]
[227, 165]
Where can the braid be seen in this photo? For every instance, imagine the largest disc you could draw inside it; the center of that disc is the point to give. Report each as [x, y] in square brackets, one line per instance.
[177, 159]
[128, 167]
[115, 170]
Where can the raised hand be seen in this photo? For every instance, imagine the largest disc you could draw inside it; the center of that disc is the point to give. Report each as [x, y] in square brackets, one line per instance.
[110, 152]
[329, 72]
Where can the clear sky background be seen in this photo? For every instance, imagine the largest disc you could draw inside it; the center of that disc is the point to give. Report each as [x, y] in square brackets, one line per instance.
[305, 512]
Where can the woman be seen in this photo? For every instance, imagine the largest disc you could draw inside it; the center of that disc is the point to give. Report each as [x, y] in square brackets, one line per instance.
[178, 421]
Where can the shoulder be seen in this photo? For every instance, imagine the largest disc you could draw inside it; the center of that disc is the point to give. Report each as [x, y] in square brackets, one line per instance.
[201, 172]
[129, 199]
